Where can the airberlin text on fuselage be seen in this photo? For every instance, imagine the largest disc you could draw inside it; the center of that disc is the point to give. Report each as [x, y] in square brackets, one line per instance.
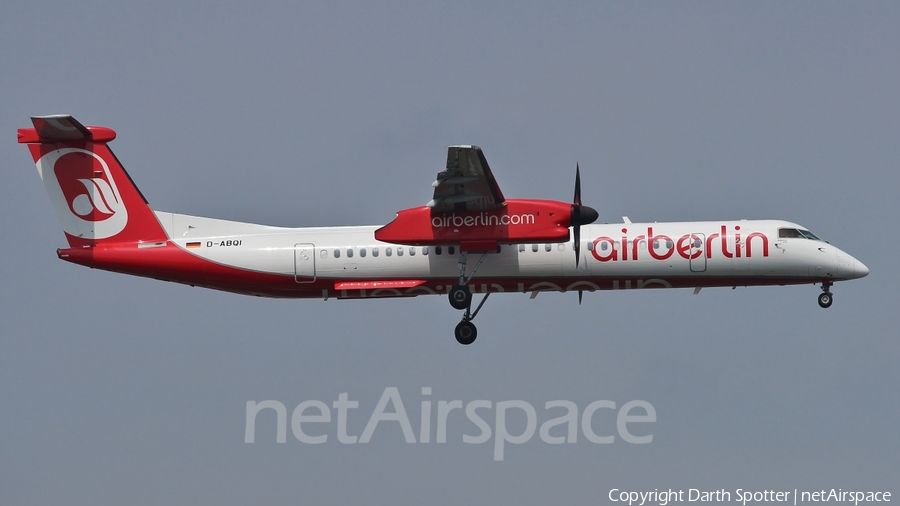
[688, 246]
[481, 220]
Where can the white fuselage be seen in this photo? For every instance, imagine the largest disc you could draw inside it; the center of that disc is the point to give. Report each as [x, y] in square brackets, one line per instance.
[624, 255]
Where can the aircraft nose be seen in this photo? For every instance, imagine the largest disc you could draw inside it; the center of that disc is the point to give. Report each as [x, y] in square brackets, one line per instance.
[859, 269]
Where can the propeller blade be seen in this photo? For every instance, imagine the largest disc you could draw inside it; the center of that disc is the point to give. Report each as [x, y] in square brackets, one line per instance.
[580, 295]
[577, 199]
[581, 214]
[577, 238]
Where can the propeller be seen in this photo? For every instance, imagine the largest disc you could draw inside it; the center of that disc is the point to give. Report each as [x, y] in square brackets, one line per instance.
[581, 215]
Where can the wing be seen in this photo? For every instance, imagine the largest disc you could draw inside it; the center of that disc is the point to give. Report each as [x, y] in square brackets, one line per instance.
[467, 183]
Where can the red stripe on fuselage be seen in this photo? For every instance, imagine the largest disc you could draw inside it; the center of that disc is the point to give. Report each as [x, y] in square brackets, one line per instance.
[171, 263]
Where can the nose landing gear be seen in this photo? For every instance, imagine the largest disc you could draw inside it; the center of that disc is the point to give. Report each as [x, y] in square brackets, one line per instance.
[826, 298]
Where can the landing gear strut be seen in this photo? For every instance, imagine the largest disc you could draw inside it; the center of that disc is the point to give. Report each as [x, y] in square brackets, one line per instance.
[465, 331]
[826, 298]
[461, 298]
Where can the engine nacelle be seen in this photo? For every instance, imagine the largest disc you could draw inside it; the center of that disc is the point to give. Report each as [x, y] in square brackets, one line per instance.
[519, 221]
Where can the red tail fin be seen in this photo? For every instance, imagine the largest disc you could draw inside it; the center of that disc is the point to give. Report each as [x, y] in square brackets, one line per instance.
[95, 199]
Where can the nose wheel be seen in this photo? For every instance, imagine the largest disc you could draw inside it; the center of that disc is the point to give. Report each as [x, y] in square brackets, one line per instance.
[826, 298]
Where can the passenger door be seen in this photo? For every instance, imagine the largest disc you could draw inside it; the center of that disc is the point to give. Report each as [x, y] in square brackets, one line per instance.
[304, 263]
[697, 264]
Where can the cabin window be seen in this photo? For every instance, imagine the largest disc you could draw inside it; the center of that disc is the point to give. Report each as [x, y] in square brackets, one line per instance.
[451, 250]
[547, 248]
[425, 250]
[362, 252]
[561, 247]
[668, 244]
[437, 250]
[521, 248]
[400, 251]
[412, 251]
[337, 253]
[323, 254]
[375, 251]
[698, 243]
[534, 248]
[387, 251]
[590, 246]
[604, 246]
[349, 252]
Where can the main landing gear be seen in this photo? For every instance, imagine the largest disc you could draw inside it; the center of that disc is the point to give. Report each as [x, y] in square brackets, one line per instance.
[826, 298]
[461, 298]
[465, 331]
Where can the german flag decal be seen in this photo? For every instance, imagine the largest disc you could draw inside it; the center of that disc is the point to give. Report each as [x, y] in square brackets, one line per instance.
[193, 245]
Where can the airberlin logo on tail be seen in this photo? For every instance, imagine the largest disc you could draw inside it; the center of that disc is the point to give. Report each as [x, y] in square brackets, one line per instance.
[83, 192]
[95, 204]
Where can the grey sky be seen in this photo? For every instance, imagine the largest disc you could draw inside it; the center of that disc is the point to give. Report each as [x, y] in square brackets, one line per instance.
[126, 390]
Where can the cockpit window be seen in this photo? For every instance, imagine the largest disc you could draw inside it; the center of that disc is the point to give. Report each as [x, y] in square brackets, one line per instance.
[789, 232]
[796, 233]
[809, 235]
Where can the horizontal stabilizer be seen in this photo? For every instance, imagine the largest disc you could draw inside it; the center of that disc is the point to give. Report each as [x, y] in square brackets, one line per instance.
[60, 127]
[63, 128]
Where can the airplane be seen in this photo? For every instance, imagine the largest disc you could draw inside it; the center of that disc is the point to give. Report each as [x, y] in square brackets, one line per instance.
[521, 245]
